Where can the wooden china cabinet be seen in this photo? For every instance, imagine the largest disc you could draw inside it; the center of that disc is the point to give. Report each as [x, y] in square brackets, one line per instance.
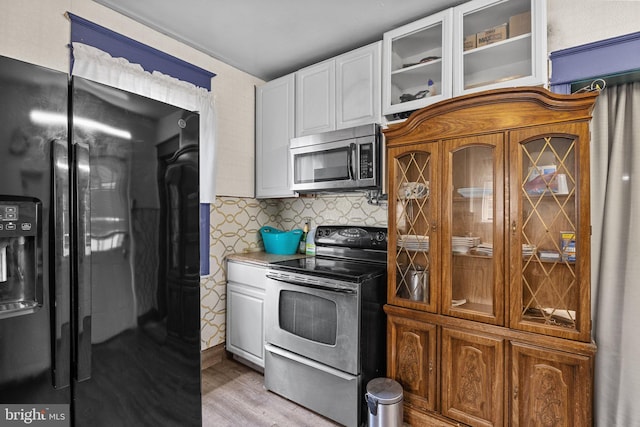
[489, 320]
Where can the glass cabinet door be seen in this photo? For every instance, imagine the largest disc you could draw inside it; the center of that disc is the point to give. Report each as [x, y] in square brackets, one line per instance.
[499, 43]
[417, 64]
[550, 236]
[412, 213]
[472, 235]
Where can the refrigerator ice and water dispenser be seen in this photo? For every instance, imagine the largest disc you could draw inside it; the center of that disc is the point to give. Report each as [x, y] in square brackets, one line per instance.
[20, 256]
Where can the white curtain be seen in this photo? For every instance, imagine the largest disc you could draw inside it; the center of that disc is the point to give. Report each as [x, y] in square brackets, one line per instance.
[615, 217]
[94, 64]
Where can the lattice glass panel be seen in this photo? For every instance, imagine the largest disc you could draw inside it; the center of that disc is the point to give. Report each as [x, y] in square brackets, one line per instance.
[549, 231]
[413, 207]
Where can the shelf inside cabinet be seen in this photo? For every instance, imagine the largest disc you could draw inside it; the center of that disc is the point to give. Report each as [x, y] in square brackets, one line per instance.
[530, 258]
[474, 306]
[477, 20]
[415, 47]
[510, 46]
[550, 195]
[471, 254]
[419, 69]
[556, 317]
[497, 62]
[414, 80]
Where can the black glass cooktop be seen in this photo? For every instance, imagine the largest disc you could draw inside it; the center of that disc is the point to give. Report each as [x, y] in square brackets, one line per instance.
[330, 267]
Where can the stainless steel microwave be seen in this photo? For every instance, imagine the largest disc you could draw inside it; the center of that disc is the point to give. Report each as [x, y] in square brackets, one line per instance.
[342, 160]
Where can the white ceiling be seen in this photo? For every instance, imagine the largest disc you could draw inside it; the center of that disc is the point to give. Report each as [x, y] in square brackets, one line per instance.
[271, 38]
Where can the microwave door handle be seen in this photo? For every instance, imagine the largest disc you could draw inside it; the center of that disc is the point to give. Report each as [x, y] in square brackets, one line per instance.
[351, 160]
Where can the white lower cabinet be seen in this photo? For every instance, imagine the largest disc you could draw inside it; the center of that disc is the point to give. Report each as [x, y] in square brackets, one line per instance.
[245, 311]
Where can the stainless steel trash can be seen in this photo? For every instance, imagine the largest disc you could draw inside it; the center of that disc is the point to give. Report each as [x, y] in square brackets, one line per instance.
[384, 401]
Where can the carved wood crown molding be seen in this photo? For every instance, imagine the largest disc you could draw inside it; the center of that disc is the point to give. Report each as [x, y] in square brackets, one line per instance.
[491, 110]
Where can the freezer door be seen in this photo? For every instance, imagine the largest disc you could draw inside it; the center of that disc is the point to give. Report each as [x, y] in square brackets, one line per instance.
[133, 365]
[34, 345]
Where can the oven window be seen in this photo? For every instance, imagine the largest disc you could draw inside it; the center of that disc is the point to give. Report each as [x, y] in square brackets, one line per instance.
[308, 316]
[326, 165]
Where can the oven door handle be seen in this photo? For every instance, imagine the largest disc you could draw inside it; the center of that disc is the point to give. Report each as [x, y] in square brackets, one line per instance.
[308, 362]
[312, 285]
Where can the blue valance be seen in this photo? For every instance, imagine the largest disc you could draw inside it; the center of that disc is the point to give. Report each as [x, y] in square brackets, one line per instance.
[150, 59]
[603, 58]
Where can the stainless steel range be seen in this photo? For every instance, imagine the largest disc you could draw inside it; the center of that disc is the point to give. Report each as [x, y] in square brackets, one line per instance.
[325, 325]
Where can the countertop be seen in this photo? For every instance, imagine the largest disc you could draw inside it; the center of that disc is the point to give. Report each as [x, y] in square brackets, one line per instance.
[260, 258]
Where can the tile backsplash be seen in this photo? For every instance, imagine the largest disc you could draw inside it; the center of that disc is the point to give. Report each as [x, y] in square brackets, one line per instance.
[234, 227]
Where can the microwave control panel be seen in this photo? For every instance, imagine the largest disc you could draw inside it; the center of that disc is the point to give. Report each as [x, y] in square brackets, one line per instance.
[366, 161]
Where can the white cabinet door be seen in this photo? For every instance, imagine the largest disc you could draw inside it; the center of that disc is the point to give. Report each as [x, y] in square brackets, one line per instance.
[510, 49]
[417, 64]
[316, 99]
[275, 123]
[245, 311]
[358, 86]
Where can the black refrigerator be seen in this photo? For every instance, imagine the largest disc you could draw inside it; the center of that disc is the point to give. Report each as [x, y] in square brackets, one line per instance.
[99, 255]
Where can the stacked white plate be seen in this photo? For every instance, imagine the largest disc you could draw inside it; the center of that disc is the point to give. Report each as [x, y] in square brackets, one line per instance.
[475, 192]
[528, 250]
[461, 244]
[485, 249]
[414, 242]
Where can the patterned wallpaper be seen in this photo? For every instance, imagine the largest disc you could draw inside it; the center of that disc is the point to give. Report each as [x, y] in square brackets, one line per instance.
[235, 225]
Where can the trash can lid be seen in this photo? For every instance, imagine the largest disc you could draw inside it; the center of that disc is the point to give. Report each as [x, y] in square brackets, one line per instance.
[385, 390]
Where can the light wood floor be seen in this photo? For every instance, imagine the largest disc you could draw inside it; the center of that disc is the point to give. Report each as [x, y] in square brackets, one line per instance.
[233, 396]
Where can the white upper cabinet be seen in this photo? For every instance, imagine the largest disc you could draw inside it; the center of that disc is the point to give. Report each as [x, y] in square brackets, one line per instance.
[316, 98]
[358, 83]
[479, 45]
[275, 121]
[339, 93]
[417, 64]
[510, 44]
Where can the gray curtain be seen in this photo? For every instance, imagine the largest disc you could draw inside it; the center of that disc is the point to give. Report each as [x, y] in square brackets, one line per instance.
[615, 217]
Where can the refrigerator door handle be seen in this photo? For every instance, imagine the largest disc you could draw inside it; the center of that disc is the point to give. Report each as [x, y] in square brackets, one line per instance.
[82, 203]
[60, 265]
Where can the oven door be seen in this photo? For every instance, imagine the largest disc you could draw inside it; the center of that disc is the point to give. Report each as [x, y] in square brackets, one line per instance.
[315, 321]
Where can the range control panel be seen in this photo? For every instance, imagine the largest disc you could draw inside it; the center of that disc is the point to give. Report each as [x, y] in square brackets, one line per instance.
[352, 237]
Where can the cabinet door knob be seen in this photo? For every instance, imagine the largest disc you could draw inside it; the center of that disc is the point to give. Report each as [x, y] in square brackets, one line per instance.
[515, 393]
[434, 226]
[513, 227]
